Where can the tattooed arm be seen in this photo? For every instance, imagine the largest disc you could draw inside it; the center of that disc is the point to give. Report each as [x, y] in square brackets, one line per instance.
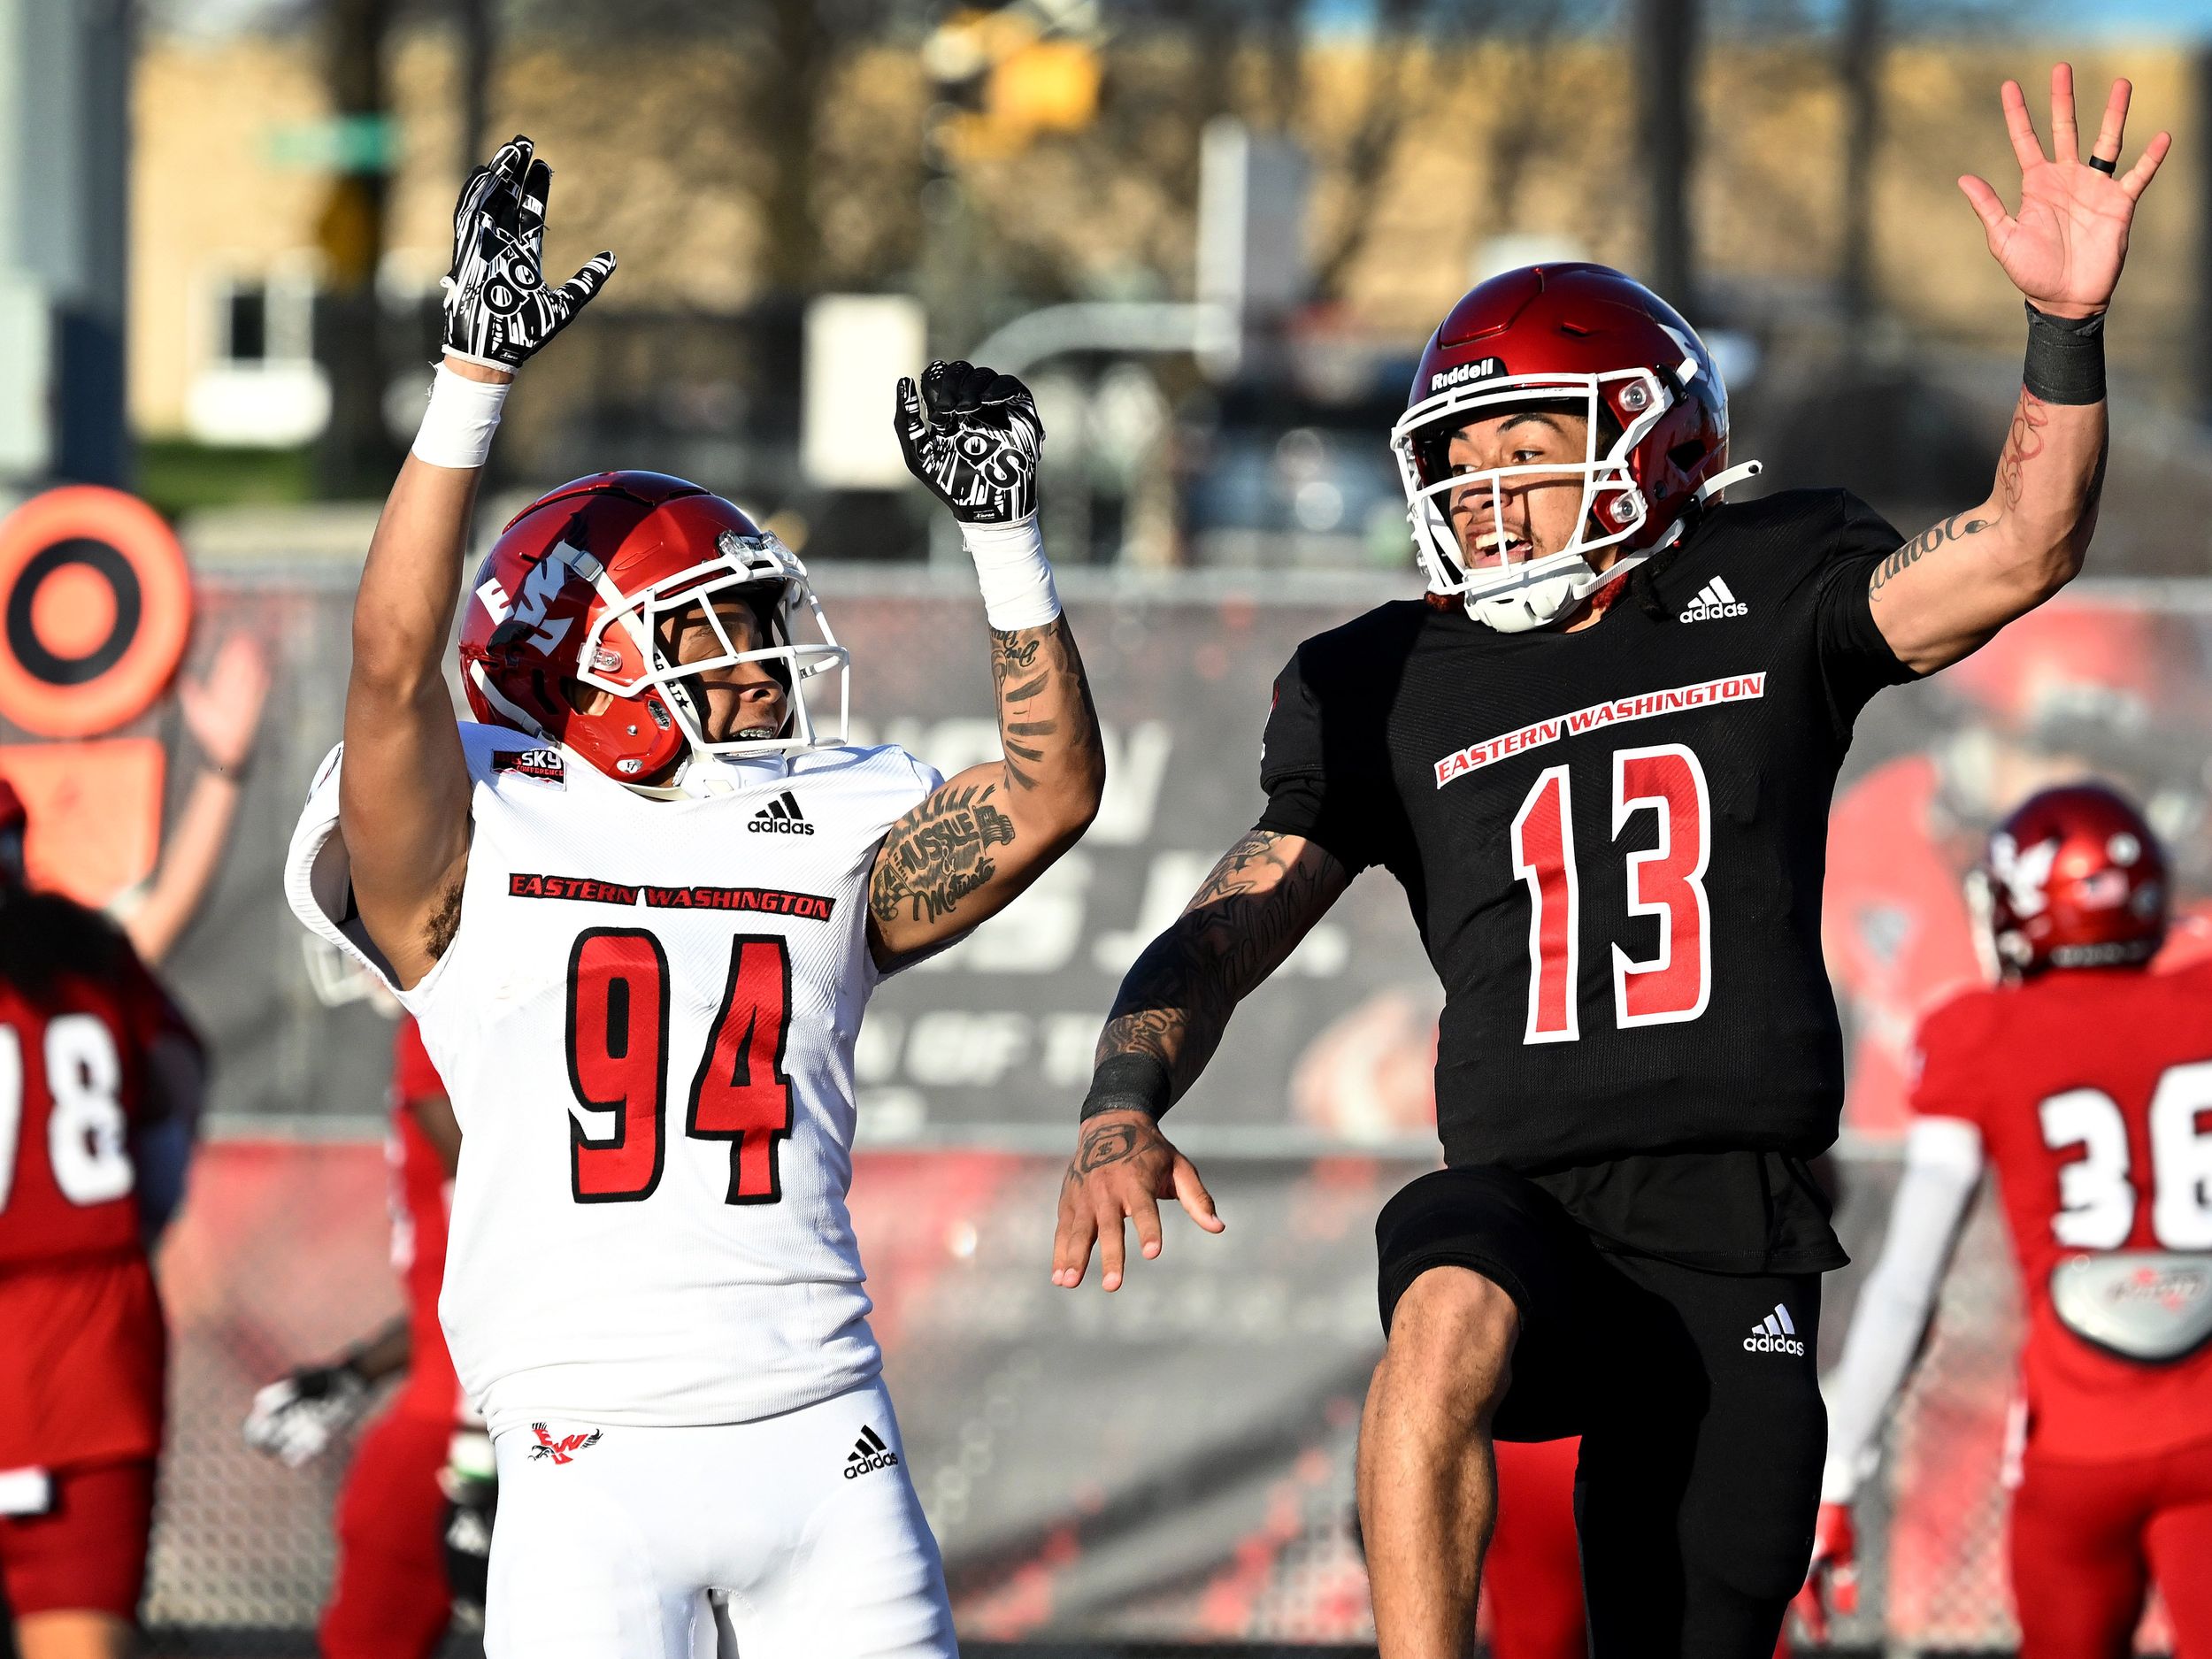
[1263, 897]
[979, 840]
[1948, 590]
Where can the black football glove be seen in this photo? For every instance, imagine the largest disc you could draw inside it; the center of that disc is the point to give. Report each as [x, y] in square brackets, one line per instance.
[972, 436]
[498, 310]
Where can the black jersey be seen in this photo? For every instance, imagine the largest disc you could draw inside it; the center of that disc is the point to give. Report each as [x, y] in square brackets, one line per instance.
[1613, 842]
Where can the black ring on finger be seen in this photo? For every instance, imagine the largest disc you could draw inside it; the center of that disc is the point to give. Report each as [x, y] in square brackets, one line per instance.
[2104, 166]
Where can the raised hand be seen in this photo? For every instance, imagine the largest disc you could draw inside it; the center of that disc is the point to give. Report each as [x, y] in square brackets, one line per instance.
[498, 312]
[2065, 246]
[972, 436]
[223, 710]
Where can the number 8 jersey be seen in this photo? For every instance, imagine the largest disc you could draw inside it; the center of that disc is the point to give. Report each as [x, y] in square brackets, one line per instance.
[646, 1022]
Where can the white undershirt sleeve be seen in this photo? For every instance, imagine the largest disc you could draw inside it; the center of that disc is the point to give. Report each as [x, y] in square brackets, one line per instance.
[1943, 1167]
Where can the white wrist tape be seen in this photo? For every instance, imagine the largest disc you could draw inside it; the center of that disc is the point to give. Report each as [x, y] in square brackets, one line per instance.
[1017, 579]
[458, 427]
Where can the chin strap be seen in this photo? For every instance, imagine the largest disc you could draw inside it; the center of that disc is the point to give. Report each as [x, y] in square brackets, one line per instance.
[1720, 482]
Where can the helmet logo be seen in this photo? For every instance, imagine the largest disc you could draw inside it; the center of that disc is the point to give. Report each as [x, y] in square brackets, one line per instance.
[1461, 373]
[539, 588]
[2024, 871]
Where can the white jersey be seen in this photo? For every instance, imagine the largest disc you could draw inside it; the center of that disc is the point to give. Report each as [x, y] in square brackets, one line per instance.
[646, 1022]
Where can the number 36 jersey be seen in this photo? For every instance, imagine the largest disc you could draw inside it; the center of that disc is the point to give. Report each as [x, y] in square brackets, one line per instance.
[645, 1022]
[2090, 1090]
[1613, 843]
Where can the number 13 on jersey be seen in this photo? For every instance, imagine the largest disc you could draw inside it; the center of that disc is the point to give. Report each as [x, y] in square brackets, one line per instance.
[1666, 881]
[619, 1061]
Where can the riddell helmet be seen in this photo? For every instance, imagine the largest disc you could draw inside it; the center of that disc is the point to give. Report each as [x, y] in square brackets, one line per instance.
[572, 593]
[2074, 878]
[1658, 430]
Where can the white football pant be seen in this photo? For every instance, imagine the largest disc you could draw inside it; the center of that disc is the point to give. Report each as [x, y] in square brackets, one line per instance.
[803, 1528]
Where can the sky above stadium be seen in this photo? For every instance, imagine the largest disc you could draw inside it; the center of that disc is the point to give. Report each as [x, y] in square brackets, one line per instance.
[2187, 20]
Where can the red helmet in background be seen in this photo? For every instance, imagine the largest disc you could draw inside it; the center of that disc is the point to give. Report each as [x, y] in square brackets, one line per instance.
[2074, 878]
[568, 601]
[1658, 429]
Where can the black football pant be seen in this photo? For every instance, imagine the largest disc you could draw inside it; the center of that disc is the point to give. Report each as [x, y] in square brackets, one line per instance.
[1696, 1394]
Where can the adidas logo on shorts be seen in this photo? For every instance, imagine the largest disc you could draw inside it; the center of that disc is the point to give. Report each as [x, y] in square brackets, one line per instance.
[1714, 602]
[869, 1453]
[1774, 1334]
[781, 816]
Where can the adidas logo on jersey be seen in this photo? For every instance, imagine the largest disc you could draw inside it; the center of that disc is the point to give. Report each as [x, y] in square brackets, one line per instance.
[1774, 1334]
[782, 816]
[869, 1453]
[1714, 602]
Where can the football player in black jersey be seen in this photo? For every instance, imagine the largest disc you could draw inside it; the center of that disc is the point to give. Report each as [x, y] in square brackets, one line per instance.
[1599, 758]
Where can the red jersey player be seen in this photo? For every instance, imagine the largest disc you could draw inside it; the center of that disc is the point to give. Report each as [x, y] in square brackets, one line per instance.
[100, 1082]
[2083, 1079]
[391, 1600]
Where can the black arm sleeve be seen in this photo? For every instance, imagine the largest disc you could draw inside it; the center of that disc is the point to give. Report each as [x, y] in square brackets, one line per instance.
[1312, 791]
[1855, 661]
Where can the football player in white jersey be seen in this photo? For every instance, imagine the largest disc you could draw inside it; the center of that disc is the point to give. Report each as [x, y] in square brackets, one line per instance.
[638, 908]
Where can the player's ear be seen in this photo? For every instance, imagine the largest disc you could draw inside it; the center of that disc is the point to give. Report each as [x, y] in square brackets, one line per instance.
[586, 700]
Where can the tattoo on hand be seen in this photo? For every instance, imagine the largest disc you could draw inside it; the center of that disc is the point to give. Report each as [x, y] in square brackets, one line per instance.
[1112, 1143]
[1957, 527]
[937, 853]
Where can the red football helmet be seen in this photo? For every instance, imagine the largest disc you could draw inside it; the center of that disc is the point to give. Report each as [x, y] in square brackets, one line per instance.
[2074, 878]
[1658, 429]
[568, 602]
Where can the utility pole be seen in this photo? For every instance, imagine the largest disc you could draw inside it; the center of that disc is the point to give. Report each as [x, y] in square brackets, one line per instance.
[64, 188]
[479, 61]
[1665, 44]
[1860, 65]
[356, 454]
[2203, 331]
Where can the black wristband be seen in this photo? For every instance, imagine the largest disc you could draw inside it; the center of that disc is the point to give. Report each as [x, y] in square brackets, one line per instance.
[2065, 361]
[1129, 1082]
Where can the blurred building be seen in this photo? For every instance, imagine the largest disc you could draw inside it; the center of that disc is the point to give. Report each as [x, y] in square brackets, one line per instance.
[1430, 162]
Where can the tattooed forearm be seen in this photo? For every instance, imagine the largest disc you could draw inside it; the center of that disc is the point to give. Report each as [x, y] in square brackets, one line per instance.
[963, 853]
[1015, 653]
[1248, 915]
[937, 853]
[1046, 723]
[1957, 527]
[2023, 444]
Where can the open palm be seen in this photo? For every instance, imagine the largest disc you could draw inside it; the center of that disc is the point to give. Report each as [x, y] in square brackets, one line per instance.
[2065, 246]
